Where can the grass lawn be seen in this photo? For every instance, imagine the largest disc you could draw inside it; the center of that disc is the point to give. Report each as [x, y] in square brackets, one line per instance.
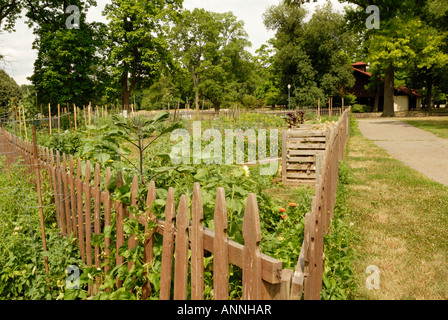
[436, 125]
[400, 221]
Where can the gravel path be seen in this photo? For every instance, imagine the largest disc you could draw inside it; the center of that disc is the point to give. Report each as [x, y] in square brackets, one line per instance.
[419, 149]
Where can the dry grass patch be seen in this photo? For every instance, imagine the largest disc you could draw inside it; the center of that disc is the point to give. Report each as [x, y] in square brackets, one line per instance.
[401, 221]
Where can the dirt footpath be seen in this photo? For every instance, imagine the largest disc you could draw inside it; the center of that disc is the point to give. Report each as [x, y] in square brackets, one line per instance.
[419, 149]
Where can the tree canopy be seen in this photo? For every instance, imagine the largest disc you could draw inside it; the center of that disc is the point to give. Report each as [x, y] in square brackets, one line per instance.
[167, 55]
[9, 91]
[211, 48]
[313, 57]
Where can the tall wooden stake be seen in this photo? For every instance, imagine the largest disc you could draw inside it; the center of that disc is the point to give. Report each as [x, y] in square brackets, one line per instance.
[39, 199]
[318, 108]
[49, 117]
[59, 119]
[24, 122]
[76, 125]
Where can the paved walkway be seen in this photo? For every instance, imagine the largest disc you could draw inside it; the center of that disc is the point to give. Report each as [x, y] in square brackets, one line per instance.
[419, 149]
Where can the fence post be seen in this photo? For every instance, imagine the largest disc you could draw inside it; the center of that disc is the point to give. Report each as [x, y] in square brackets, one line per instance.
[252, 284]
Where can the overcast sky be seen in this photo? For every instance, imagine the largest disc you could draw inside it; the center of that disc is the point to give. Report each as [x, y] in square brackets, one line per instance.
[20, 57]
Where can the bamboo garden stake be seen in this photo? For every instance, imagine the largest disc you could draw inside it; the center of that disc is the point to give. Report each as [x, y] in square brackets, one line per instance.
[20, 121]
[76, 125]
[90, 115]
[39, 198]
[59, 119]
[24, 122]
[49, 117]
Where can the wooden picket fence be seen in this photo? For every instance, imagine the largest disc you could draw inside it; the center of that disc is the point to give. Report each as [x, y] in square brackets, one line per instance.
[263, 277]
[310, 267]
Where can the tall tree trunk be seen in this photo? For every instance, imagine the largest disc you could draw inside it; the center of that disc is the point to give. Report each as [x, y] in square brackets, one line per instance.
[196, 100]
[376, 101]
[196, 87]
[429, 84]
[125, 96]
[389, 92]
[125, 92]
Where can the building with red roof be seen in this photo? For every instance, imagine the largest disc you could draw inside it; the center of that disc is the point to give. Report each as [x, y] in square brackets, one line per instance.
[405, 98]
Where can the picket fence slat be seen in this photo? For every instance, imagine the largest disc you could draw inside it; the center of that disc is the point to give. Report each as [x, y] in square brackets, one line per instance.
[119, 225]
[251, 252]
[73, 196]
[60, 192]
[107, 218]
[197, 249]
[80, 208]
[182, 245]
[167, 247]
[66, 195]
[221, 248]
[88, 216]
[97, 210]
[132, 240]
[148, 254]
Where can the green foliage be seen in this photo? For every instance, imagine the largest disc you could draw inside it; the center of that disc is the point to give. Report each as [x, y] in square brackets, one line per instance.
[63, 70]
[137, 42]
[338, 277]
[9, 91]
[210, 47]
[360, 108]
[22, 271]
[314, 56]
[9, 12]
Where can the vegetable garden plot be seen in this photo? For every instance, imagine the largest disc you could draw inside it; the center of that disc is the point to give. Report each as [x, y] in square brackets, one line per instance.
[124, 231]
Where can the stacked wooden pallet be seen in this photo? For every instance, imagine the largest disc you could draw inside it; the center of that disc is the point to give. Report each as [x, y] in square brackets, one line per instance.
[300, 147]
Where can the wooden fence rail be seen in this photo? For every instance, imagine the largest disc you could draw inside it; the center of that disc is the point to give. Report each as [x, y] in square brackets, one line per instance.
[83, 209]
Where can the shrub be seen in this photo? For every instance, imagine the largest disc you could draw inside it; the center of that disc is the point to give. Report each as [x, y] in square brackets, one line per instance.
[361, 108]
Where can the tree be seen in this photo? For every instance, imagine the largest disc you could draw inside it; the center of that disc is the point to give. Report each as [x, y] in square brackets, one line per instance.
[9, 90]
[138, 47]
[391, 46]
[63, 70]
[267, 88]
[9, 12]
[211, 47]
[314, 56]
